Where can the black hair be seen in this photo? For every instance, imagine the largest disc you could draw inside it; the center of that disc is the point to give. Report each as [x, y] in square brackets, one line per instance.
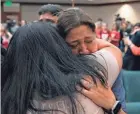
[137, 24]
[39, 60]
[71, 18]
[50, 8]
[47, 20]
[3, 53]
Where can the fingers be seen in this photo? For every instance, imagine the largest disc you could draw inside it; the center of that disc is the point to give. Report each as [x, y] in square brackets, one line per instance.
[88, 78]
[87, 84]
[79, 88]
[90, 81]
[82, 90]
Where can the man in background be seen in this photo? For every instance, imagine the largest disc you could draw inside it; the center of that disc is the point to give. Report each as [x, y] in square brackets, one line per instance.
[49, 13]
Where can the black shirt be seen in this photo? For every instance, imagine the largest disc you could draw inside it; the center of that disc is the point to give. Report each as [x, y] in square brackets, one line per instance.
[132, 62]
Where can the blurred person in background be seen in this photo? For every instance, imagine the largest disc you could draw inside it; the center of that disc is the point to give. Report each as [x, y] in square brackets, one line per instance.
[105, 33]
[12, 26]
[49, 13]
[123, 20]
[5, 36]
[135, 49]
[123, 34]
[98, 29]
[99, 20]
[129, 27]
[114, 35]
[132, 56]
[118, 21]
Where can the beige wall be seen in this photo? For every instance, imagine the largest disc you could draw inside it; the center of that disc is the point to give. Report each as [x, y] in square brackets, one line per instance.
[29, 12]
[130, 11]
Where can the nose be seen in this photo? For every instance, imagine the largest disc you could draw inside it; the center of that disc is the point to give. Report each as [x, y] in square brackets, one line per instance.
[83, 49]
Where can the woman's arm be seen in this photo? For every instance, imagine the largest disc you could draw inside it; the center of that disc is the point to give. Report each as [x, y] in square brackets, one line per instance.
[135, 50]
[104, 45]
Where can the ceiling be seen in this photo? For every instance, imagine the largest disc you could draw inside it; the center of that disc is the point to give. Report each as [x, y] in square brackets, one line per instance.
[90, 2]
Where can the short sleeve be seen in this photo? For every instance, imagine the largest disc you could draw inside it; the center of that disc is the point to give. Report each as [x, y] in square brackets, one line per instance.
[108, 61]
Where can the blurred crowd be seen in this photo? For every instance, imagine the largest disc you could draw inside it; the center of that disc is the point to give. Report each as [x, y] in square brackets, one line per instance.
[124, 35]
[120, 29]
[120, 34]
[8, 29]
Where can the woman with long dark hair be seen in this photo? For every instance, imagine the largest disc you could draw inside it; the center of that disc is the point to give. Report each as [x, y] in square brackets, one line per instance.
[38, 68]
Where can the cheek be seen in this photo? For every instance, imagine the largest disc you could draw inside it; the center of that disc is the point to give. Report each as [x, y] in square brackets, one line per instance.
[75, 51]
[92, 48]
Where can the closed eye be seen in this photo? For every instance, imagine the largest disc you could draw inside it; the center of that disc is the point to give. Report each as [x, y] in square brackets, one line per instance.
[88, 41]
[74, 45]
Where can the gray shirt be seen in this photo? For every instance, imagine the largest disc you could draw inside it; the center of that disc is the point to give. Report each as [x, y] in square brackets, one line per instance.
[84, 105]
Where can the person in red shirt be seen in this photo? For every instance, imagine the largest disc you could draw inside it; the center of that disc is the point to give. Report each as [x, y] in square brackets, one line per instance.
[115, 35]
[5, 36]
[105, 33]
[98, 29]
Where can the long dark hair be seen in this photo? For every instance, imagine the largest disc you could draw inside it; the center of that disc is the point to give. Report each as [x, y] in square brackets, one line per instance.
[38, 59]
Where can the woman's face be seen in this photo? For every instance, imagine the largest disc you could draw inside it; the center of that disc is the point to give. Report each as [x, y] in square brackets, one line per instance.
[82, 40]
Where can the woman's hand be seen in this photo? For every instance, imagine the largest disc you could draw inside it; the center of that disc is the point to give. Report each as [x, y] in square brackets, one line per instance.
[100, 95]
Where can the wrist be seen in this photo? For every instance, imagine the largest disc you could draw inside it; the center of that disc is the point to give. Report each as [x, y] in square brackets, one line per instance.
[116, 108]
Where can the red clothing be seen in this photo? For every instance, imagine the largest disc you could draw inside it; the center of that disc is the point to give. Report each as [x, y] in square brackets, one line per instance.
[115, 37]
[105, 35]
[98, 33]
[5, 42]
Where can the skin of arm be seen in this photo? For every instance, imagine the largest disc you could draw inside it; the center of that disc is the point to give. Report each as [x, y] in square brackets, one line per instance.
[101, 44]
[135, 50]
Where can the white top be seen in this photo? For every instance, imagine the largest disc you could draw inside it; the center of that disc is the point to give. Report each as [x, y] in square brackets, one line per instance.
[109, 62]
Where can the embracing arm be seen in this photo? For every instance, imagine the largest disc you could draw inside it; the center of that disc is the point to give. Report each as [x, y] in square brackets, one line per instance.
[104, 45]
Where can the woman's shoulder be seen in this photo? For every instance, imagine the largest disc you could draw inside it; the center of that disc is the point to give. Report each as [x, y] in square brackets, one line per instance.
[107, 60]
[63, 105]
